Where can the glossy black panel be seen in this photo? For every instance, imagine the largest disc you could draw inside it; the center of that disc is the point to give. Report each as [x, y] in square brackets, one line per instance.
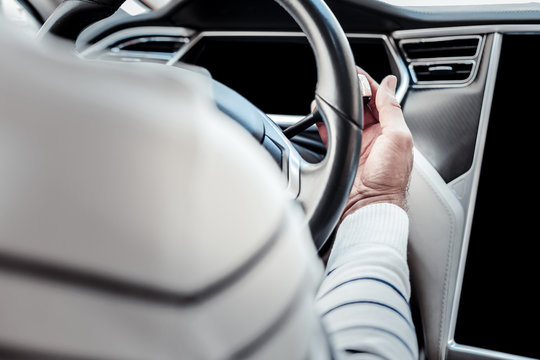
[499, 308]
[277, 75]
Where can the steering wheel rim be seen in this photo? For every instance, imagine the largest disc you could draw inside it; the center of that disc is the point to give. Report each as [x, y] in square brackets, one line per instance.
[322, 188]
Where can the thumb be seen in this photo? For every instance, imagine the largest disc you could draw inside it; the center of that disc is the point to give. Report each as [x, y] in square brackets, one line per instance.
[389, 109]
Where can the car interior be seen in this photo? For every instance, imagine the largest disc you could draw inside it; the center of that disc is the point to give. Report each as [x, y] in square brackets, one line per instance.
[467, 84]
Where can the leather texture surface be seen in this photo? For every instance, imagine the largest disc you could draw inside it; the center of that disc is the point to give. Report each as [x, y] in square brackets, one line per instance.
[435, 239]
[118, 165]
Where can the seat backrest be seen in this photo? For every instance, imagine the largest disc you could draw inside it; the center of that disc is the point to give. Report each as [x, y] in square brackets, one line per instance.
[134, 218]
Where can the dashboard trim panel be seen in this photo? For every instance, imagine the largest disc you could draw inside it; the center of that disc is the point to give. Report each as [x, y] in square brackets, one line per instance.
[463, 352]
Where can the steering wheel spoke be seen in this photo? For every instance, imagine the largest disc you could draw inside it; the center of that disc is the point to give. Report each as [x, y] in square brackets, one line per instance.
[303, 124]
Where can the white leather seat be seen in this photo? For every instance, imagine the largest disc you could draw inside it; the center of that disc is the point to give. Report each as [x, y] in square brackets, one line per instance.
[127, 201]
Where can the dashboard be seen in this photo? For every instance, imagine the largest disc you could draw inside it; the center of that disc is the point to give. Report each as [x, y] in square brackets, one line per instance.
[467, 86]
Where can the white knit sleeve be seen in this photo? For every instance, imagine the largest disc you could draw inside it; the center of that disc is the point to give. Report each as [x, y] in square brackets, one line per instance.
[364, 297]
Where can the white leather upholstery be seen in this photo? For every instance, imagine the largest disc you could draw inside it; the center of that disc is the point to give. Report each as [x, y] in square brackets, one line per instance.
[436, 235]
[104, 167]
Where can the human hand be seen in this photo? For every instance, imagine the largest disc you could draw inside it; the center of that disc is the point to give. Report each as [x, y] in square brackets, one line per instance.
[386, 156]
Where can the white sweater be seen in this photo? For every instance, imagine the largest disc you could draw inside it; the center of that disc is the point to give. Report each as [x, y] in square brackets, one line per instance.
[364, 296]
[136, 222]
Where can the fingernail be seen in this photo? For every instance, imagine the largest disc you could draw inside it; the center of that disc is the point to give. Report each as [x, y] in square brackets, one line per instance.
[392, 83]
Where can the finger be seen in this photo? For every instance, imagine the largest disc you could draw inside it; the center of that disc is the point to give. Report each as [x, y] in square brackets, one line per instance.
[323, 132]
[370, 106]
[372, 83]
[321, 128]
[390, 114]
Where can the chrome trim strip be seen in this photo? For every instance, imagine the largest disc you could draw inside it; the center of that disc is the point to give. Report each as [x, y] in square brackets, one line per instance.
[293, 159]
[135, 55]
[474, 176]
[146, 39]
[457, 352]
[466, 30]
[194, 40]
[401, 69]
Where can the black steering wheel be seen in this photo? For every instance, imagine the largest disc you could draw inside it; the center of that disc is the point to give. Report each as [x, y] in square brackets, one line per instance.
[322, 188]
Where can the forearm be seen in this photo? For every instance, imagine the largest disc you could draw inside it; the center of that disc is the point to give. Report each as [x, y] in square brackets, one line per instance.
[363, 299]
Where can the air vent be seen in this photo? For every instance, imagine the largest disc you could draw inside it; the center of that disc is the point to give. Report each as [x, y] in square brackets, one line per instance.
[155, 48]
[154, 44]
[443, 72]
[445, 61]
[465, 47]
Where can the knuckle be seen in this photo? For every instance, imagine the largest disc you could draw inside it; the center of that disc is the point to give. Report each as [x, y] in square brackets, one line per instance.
[394, 103]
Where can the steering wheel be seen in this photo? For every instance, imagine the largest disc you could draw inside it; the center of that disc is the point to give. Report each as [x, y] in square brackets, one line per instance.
[322, 188]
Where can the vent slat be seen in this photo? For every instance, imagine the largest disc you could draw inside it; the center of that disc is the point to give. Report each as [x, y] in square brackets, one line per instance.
[443, 72]
[444, 60]
[442, 52]
[423, 49]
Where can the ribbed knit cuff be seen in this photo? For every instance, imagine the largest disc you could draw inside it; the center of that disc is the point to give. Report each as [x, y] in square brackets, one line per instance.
[382, 223]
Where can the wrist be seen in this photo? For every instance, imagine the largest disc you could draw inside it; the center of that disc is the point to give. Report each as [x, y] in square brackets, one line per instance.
[372, 225]
[356, 203]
